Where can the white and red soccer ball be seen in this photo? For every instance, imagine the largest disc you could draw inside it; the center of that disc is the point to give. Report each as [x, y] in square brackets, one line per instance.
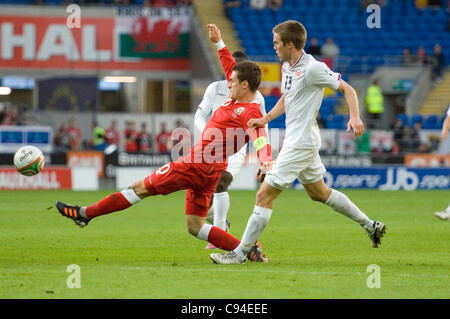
[29, 160]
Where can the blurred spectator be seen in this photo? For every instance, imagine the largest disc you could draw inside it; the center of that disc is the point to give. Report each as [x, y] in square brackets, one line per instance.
[181, 137]
[257, 4]
[98, 137]
[375, 103]
[163, 140]
[422, 57]
[61, 139]
[131, 137]
[74, 135]
[112, 135]
[29, 120]
[274, 4]
[228, 4]
[407, 57]
[397, 143]
[397, 127]
[145, 140]
[435, 4]
[415, 137]
[404, 144]
[438, 62]
[10, 115]
[329, 49]
[313, 48]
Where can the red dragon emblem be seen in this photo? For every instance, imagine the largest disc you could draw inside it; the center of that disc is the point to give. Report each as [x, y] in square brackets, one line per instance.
[162, 37]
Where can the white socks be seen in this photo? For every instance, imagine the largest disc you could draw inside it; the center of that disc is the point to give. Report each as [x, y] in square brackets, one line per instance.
[217, 213]
[204, 232]
[221, 206]
[342, 204]
[255, 226]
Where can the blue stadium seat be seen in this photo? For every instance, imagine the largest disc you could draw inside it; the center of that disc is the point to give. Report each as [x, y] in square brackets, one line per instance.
[416, 118]
[336, 122]
[403, 27]
[404, 118]
[431, 122]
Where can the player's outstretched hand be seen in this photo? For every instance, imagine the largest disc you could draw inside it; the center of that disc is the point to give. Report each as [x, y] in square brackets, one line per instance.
[214, 33]
[256, 123]
[357, 125]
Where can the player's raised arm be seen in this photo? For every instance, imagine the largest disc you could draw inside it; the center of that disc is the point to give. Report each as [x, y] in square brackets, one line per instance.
[226, 59]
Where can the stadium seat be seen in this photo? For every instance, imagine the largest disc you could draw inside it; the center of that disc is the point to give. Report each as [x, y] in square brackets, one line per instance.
[404, 118]
[431, 122]
[416, 118]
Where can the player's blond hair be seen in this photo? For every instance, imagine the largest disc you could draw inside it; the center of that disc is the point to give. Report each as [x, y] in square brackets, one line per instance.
[291, 31]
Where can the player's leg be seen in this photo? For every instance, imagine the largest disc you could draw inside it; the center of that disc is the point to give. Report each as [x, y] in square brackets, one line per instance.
[112, 203]
[312, 180]
[197, 203]
[120, 200]
[338, 201]
[255, 226]
[221, 201]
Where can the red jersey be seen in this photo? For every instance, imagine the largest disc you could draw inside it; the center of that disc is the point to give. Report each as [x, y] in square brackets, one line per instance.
[227, 131]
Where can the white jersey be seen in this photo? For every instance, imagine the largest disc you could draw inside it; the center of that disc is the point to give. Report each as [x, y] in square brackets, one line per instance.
[448, 111]
[215, 95]
[303, 85]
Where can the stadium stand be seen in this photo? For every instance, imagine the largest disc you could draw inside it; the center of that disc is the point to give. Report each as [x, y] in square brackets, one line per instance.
[402, 26]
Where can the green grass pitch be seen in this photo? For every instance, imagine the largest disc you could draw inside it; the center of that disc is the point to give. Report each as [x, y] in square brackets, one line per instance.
[146, 252]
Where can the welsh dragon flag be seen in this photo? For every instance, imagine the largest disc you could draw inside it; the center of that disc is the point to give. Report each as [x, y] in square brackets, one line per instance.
[152, 32]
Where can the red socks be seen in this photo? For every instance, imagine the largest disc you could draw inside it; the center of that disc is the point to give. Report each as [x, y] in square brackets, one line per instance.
[223, 240]
[109, 204]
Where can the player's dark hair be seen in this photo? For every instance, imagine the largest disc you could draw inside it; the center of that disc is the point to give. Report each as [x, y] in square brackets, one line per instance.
[249, 71]
[291, 31]
[239, 56]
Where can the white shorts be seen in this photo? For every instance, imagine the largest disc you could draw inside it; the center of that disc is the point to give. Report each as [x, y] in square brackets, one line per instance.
[236, 161]
[292, 164]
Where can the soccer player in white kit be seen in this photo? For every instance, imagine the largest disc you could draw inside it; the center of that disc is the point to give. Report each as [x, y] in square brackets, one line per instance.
[445, 215]
[215, 95]
[303, 83]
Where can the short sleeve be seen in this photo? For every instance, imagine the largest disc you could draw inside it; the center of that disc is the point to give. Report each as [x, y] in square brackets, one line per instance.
[320, 75]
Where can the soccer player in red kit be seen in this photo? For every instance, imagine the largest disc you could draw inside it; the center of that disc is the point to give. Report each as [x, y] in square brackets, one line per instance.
[198, 172]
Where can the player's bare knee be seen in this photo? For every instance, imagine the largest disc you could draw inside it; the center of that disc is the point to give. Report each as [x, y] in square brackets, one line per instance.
[193, 229]
[139, 189]
[321, 197]
[224, 182]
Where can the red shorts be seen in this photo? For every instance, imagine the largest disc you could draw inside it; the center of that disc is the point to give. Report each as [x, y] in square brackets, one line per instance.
[199, 180]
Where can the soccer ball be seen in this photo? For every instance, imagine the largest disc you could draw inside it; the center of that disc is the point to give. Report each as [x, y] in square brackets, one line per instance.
[29, 160]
